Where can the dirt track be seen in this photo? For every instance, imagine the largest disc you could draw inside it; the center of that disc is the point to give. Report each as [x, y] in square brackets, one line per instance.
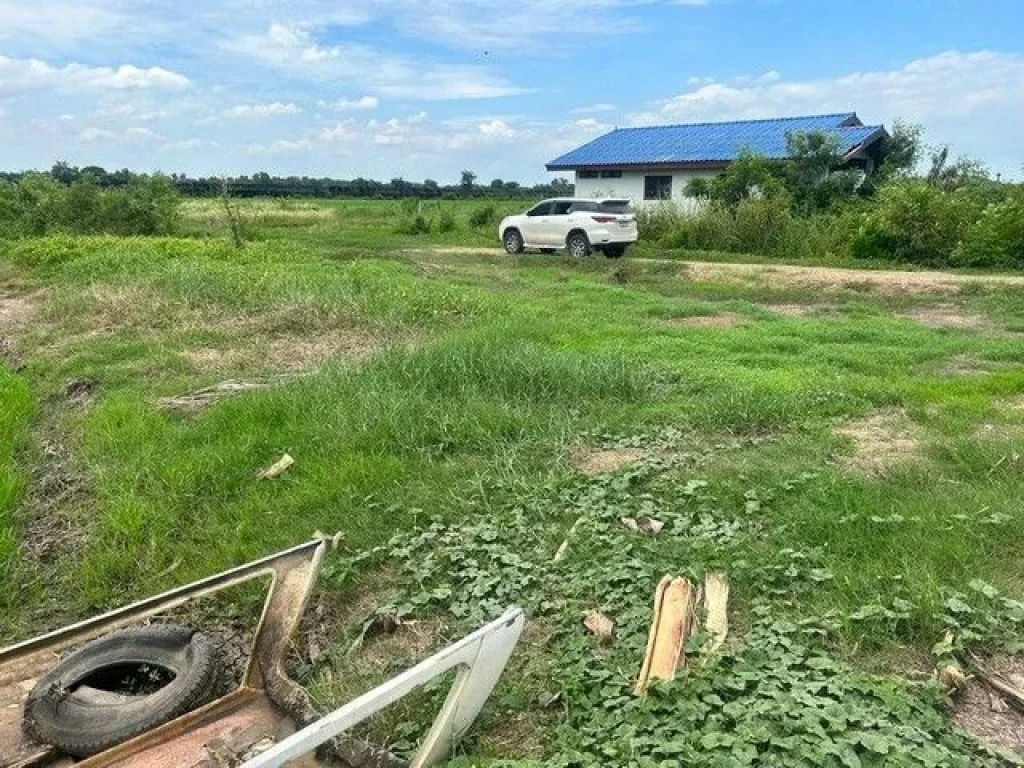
[884, 280]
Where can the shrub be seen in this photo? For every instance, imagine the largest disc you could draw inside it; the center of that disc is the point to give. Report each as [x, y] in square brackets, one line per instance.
[656, 222]
[916, 222]
[484, 216]
[417, 224]
[996, 238]
[37, 205]
[446, 220]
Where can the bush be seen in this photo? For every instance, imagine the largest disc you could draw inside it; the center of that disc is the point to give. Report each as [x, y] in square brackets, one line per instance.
[656, 222]
[996, 238]
[914, 221]
[413, 225]
[37, 205]
[484, 216]
[446, 220]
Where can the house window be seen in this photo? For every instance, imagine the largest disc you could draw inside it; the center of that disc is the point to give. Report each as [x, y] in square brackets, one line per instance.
[611, 174]
[657, 187]
[587, 174]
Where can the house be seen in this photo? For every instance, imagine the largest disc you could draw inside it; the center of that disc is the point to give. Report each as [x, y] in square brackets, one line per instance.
[656, 163]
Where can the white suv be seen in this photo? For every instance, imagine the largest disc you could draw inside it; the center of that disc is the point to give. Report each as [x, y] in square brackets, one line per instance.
[576, 224]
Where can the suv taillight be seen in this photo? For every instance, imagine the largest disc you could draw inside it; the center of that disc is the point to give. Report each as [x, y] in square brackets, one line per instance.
[603, 219]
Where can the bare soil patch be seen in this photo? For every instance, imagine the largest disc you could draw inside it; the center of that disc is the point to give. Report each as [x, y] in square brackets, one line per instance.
[945, 317]
[794, 310]
[290, 353]
[881, 440]
[966, 365]
[595, 462]
[15, 310]
[724, 320]
[831, 278]
[987, 718]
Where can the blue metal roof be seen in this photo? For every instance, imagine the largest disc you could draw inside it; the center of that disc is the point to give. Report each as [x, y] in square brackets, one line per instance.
[711, 142]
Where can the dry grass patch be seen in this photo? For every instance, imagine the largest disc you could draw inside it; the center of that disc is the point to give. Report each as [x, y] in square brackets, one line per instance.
[597, 461]
[15, 310]
[888, 282]
[291, 353]
[724, 320]
[881, 441]
[945, 317]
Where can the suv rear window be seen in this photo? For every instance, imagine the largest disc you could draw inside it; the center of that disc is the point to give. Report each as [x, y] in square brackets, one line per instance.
[616, 206]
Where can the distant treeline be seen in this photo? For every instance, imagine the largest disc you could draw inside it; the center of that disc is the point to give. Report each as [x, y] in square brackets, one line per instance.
[265, 185]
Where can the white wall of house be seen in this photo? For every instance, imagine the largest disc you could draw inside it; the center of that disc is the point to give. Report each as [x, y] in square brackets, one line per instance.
[631, 185]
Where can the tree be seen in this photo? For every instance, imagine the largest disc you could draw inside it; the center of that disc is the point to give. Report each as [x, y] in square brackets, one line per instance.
[750, 175]
[901, 150]
[497, 184]
[63, 173]
[468, 180]
[810, 180]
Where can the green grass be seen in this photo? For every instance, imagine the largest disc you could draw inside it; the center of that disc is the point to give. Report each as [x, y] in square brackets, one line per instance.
[14, 420]
[480, 375]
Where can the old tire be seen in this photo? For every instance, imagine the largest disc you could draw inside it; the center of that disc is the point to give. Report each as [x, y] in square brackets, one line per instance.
[513, 241]
[66, 711]
[578, 245]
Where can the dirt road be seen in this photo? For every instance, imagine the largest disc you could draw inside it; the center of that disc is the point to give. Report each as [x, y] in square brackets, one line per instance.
[883, 280]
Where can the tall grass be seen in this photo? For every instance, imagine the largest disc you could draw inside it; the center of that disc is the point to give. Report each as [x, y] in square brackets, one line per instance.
[363, 439]
[15, 412]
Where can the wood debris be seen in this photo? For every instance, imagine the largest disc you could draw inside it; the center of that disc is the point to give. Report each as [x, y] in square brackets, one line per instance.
[563, 548]
[643, 524]
[952, 678]
[276, 469]
[716, 600]
[599, 625]
[998, 684]
[673, 621]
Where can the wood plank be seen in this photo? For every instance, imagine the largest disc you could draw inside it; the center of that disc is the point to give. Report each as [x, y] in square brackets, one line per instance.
[671, 625]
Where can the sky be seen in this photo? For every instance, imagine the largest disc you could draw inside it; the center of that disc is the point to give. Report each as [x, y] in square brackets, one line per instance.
[426, 88]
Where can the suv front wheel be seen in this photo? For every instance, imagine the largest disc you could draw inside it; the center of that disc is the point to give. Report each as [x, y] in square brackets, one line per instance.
[512, 241]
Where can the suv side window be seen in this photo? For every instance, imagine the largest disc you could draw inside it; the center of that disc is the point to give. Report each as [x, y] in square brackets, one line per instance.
[583, 205]
[561, 208]
[543, 209]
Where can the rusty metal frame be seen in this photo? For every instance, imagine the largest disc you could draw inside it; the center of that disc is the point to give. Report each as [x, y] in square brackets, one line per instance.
[479, 660]
[293, 574]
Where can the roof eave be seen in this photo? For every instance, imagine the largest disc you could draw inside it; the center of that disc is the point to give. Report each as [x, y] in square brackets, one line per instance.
[709, 165]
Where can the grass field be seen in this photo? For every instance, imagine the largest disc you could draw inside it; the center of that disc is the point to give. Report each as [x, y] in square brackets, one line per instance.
[849, 451]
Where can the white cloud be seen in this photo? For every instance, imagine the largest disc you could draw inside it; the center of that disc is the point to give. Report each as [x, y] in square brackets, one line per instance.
[187, 145]
[18, 75]
[281, 146]
[338, 132]
[347, 105]
[591, 109]
[274, 109]
[294, 48]
[134, 134]
[497, 25]
[949, 84]
[56, 21]
[497, 129]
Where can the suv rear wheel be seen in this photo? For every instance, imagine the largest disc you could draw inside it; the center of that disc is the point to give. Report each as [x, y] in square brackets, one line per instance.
[513, 241]
[614, 251]
[578, 245]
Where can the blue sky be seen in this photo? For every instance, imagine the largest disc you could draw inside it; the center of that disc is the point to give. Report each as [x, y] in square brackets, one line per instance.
[426, 88]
